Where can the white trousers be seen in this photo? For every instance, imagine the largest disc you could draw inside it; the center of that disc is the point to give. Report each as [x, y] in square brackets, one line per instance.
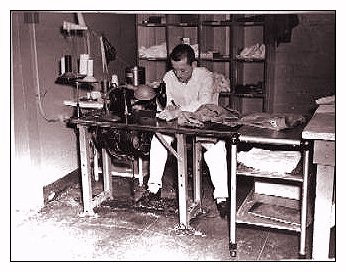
[215, 157]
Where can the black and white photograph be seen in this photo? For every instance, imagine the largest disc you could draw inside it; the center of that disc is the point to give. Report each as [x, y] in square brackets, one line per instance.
[172, 135]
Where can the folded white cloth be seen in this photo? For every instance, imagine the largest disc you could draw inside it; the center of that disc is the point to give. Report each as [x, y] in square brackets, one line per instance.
[155, 51]
[270, 161]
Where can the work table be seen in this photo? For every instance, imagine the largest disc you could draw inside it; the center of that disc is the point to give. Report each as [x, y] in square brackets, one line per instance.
[322, 124]
[321, 129]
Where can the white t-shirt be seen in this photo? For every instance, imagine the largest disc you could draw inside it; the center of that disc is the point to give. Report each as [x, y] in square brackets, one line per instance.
[191, 95]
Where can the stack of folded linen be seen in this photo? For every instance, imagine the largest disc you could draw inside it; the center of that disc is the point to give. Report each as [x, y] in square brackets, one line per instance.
[254, 52]
[270, 161]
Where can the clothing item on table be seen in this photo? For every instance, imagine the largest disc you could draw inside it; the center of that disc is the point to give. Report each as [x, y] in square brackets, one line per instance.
[204, 114]
[275, 121]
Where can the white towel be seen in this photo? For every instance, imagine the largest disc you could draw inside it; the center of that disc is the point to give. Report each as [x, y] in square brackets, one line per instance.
[270, 161]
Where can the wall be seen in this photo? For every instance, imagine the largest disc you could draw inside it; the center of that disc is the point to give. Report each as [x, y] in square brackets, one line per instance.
[305, 68]
[45, 149]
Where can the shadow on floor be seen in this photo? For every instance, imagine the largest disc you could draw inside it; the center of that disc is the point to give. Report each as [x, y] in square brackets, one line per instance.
[122, 233]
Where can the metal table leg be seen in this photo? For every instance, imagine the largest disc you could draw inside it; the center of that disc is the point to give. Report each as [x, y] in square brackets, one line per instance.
[233, 195]
[304, 202]
[182, 180]
[107, 175]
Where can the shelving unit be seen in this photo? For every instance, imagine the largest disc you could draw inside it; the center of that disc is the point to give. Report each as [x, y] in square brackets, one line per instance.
[278, 207]
[217, 40]
[248, 74]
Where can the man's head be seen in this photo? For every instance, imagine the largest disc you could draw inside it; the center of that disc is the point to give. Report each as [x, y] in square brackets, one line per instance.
[183, 61]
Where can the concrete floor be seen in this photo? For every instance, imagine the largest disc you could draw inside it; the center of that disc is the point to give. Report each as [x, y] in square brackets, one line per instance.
[59, 233]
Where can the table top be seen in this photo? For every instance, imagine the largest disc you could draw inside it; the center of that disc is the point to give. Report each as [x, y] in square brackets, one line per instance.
[246, 133]
[153, 124]
[321, 125]
[291, 136]
[84, 104]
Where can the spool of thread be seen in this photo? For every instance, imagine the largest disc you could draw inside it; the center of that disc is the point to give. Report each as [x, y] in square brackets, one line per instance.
[62, 65]
[83, 64]
[104, 86]
[68, 64]
[90, 72]
[115, 81]
[135, 75]
[128, 75]
[185, 40]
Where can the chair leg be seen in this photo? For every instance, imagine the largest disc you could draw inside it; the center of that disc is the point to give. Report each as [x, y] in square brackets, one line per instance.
[197, 170]
[96, 162]
[107, 175]
[140, 171]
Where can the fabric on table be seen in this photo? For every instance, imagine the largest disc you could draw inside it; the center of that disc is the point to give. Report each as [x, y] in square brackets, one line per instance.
[275, 121]
[204, 114]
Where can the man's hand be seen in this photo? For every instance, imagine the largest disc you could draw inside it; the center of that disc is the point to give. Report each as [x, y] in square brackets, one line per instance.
[169, 114]
[171, 108]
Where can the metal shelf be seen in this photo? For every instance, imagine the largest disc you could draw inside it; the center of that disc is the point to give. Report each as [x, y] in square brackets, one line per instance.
[245, 95]
[217, 23]
[168, 24]
[153, 58]
[151, 25]
[249, 60]
[246, 171]
[229, 25]
[245, 216]
[216, 59]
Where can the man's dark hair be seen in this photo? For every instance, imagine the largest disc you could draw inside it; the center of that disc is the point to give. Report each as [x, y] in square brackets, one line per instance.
[182, 51]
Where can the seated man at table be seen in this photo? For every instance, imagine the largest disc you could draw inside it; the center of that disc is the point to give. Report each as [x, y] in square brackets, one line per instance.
[188, 87]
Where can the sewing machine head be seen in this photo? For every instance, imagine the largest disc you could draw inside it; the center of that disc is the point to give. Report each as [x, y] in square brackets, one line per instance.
[129, 100]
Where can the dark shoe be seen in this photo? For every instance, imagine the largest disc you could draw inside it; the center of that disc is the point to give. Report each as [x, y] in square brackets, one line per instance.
[154, 197]
[148, 197]
[138, 193]
[150, 202]
[223, 208]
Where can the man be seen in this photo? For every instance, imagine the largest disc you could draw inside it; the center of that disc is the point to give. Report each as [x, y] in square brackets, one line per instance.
[187, 88]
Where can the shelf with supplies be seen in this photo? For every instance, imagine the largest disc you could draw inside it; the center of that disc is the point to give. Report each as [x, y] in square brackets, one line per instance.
[247, 91]
[218, 41]
[246, 95]
[251, 172]
[281, 195]
[68, 78]
[151, 24]
[249, 23]
[249, 64]
[276, 211]
[217, 23]
[153, 58]
[264, 211]
[250, 60]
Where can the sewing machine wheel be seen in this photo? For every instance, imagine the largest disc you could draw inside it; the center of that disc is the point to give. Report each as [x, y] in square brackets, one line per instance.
[124, 143]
